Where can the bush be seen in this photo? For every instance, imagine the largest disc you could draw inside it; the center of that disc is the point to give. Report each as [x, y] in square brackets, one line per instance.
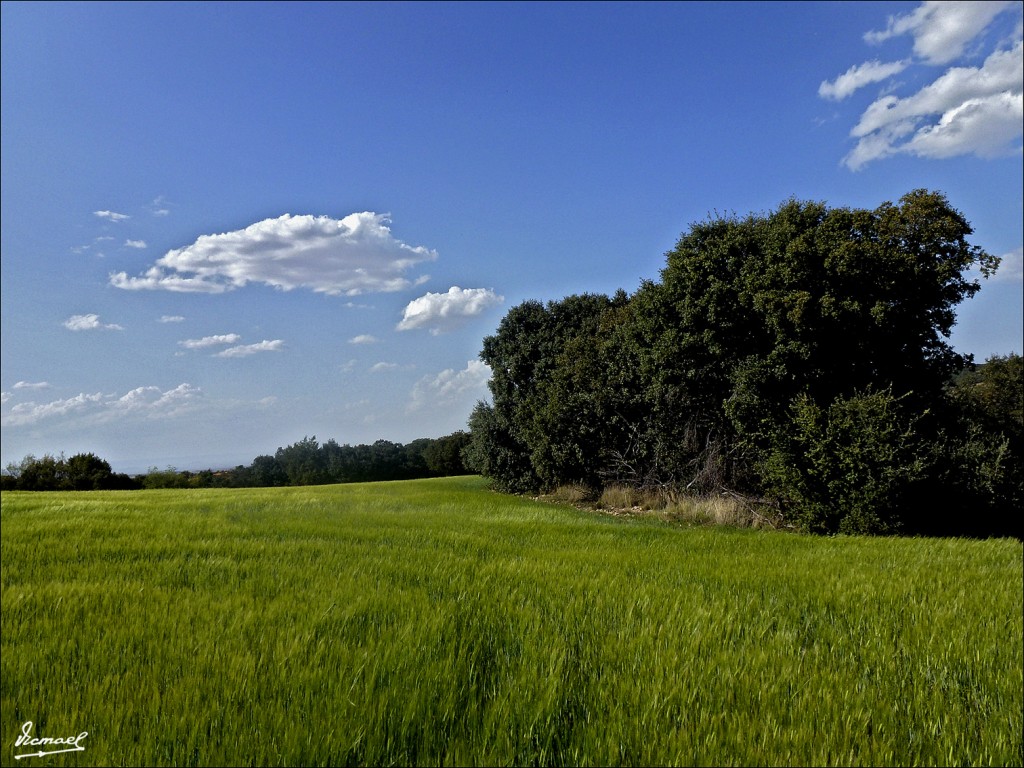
[847, 468]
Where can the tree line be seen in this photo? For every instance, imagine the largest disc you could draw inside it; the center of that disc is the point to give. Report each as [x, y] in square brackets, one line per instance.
[798, 358]
[306, 462]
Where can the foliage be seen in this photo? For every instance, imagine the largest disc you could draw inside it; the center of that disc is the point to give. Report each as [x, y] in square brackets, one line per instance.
[435, 623]
[847, 467]
[306, 462]
[81, 472]
[768, 361]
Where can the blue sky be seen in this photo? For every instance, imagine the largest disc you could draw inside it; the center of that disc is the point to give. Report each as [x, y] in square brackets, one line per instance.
[229, 226]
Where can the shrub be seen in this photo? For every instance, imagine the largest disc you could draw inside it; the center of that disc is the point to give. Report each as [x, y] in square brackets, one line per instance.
[845, 468]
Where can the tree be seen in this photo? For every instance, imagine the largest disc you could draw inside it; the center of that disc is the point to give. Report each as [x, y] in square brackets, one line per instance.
[87, 472]
[443, 456]
[529, 416]
[303, 462]
[768, 339]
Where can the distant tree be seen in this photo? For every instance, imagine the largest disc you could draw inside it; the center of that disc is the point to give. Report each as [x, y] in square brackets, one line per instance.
[267, 472]
[303, 462]
[443, 456]
[82, 472]
[87, 472]
[169, 477]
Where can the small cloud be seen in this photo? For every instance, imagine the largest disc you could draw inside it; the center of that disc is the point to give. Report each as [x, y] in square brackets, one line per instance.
[210, 341]
[153, 402]
[941, 30]
[171, 319]
[32, 385]
[442, 312]
[857, 77]
[159, 207]
[354, 255]
[364, 338]
[381, 367]
[89, 323]
[111, 215]
[135, 244]
[251, 349]
[451, 387]
[1011, 267]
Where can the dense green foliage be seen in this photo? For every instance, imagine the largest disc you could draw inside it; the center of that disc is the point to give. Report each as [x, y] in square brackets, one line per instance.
[799, 357]
[434, 622]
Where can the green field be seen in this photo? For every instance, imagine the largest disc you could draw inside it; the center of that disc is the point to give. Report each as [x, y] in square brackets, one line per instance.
[435, 622]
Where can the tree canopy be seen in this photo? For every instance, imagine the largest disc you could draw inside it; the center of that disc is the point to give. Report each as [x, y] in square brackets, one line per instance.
[800, 356]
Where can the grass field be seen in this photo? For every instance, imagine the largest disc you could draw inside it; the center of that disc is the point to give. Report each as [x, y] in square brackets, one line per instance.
[435, 622]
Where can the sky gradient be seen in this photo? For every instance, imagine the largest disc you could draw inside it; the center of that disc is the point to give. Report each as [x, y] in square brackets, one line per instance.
[229, 226]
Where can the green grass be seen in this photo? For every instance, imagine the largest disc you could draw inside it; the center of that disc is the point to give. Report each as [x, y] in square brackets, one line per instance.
[435, 622]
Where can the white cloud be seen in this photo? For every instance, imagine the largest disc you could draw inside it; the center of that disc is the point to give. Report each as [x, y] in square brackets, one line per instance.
[251, 349]
[32, 385]
[381, 367]
[153, 403]
[1011, 267]
[451, 387]
[111, 215]
[210, 341]
[89, 323]
[979, 111]
[171, 319]
[966, 110]
[941, 30]
[145, 402]
[441, 312]
[986, 127]
[135, 244]
[159, 207]
[858, 76]
[351, 256]
[363, 338]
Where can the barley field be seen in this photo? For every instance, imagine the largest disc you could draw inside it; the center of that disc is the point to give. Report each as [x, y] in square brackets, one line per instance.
[437, 623]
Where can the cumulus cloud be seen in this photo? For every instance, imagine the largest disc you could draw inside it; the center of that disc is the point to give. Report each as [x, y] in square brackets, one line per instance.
[354, 255]
[363, 338]
[441, 312]
[858, 76]
[111, 215]
[966, 110]
[89, 323]
[941, 30]
[251, 349]
[451, 387]
[135, 244]
[210, 341]
[147, 402]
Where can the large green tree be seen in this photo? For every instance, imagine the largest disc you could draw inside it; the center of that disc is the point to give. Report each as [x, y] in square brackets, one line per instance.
[786, 354]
